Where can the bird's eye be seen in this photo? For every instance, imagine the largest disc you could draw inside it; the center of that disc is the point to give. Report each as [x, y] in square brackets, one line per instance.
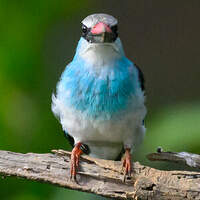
[84, 29]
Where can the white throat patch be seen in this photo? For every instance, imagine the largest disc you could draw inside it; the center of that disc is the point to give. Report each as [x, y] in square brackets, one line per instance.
[101, 54]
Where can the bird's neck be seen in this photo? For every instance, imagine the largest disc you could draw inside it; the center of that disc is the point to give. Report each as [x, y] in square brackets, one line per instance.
[104, 54]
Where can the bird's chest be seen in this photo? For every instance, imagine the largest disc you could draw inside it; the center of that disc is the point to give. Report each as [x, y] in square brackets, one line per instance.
[100, 107]
[102, 94]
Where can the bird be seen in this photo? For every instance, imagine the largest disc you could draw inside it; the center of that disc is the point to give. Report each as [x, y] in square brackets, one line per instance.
[100, 97]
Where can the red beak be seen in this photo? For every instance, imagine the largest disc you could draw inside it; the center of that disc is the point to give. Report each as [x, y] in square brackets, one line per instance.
[101, 28]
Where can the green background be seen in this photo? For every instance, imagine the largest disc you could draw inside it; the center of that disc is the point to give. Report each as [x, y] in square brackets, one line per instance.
[37, 40]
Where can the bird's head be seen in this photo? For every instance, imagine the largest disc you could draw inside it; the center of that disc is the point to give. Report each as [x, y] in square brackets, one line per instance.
[99, 43]
[100, 28]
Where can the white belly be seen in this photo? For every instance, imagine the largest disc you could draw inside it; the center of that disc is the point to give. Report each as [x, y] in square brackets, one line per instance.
[104, 150]
[105, 138]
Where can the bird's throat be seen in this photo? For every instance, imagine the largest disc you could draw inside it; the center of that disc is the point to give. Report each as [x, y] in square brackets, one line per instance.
[101, 54]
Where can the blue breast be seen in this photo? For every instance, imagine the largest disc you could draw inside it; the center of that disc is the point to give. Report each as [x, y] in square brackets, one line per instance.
[101, 93]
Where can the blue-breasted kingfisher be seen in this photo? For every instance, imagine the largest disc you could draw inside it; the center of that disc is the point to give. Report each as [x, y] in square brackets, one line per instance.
[100, 96]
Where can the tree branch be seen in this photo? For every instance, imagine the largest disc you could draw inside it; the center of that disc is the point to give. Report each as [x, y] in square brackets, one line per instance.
[102, 177]
[188, 159]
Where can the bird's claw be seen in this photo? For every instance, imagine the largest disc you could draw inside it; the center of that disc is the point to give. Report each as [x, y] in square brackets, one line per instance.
[75, 157]
[127, 164]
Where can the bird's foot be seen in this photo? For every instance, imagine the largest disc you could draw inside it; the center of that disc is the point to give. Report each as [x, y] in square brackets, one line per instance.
[75, 157]
[127, 164]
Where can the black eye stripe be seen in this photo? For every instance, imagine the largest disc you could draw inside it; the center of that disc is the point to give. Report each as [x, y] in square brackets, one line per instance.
[109, 37]
[114, 28]
[85, 29]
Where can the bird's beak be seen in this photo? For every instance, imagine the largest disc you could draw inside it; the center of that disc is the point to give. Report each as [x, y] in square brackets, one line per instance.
[100, 28]
[101, 33]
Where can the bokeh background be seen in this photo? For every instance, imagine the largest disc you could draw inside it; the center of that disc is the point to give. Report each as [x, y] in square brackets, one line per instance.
[38, 38]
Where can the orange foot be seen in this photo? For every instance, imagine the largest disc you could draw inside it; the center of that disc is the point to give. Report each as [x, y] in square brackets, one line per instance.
[75, 157]
[127, 164]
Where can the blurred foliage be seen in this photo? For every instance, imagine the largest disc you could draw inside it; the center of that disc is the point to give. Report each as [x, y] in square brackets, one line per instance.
[27, 79]
[174, 128]
[26, 121]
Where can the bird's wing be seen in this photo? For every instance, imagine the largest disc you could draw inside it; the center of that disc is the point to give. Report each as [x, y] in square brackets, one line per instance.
[141, 80]
[69, 138]
[141, 77]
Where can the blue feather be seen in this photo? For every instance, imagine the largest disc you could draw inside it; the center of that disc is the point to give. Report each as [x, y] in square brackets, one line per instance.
[99, 95]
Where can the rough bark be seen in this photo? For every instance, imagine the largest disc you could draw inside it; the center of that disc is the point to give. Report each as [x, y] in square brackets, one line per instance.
[188, 159]
[102, 177]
